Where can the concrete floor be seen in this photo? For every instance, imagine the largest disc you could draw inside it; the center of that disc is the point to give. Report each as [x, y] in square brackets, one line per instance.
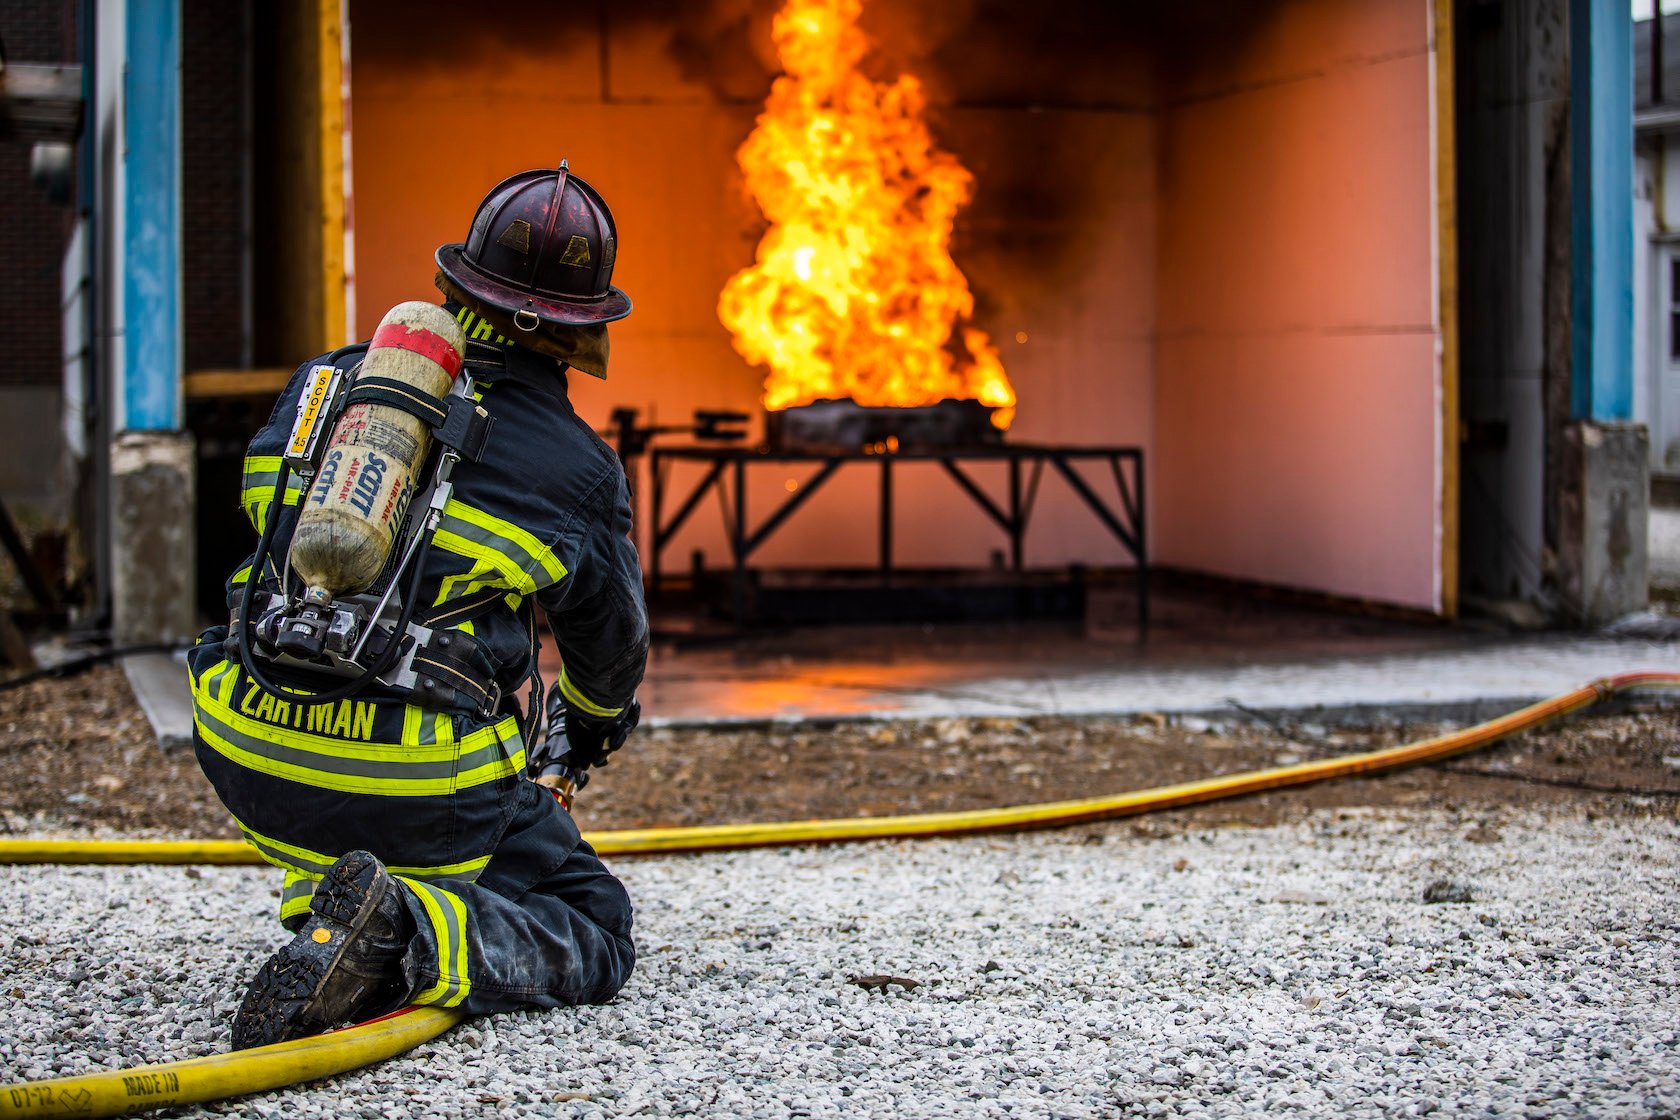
[1207, 652]
[1216, 653]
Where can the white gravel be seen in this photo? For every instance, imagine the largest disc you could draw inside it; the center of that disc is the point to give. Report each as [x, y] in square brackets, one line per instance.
[1085, 973]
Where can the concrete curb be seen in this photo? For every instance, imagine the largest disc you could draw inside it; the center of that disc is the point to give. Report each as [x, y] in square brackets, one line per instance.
[1367, 714]
[159, 682]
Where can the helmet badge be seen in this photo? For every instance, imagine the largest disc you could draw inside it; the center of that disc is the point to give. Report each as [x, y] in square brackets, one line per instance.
[577, 251]
[517, 236]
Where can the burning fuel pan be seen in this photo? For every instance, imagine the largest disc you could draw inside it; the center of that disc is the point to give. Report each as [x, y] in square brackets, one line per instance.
[845, 427]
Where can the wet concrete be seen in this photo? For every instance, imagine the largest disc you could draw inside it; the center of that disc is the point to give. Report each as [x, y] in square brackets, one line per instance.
[1222, 653]
[1206, 652]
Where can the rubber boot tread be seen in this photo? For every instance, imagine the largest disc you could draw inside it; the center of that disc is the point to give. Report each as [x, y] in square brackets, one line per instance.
[283, 1000]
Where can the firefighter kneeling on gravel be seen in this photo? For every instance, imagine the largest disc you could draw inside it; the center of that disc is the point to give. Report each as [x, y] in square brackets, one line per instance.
[359, 716]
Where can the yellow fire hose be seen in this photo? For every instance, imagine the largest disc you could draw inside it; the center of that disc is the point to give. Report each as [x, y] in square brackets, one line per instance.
[117, 1092]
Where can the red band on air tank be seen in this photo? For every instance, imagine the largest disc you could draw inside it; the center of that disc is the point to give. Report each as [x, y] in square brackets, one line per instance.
[419, 341]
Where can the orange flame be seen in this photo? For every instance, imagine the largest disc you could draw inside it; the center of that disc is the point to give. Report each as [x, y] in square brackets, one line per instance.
[854, 294]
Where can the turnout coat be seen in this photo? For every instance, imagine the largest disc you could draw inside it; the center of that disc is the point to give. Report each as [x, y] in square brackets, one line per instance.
[540, 524]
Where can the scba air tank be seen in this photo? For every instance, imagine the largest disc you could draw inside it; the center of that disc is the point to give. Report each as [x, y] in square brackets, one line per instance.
[360, 494]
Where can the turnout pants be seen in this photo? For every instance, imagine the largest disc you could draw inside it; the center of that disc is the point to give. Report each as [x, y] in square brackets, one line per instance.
[512, 908]
[545, 924]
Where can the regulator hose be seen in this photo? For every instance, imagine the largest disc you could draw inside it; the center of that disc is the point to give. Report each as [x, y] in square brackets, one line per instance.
[252, 665]
[117, 1092]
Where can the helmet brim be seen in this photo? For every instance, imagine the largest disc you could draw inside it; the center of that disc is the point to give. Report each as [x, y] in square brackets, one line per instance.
[610, 308]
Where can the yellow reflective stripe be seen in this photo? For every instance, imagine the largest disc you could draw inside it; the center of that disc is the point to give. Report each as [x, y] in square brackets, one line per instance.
[492, 771]
[322, 779]
[513, 551]
[302, 861]
[331, 746]
[426, 729]
[219, 681]
[498, 733]
[299, 888]
[257, 487]
[468, 584]
[260, 490]
[448, 917]
[391, 769]
[485, 561]
[464, 602]
[238, 578]
[583, 703]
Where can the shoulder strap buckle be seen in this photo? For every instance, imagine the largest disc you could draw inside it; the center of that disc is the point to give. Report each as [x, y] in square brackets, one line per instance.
[465, 427]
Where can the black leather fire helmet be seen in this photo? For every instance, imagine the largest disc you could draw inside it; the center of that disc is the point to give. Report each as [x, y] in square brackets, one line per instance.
[541, 249]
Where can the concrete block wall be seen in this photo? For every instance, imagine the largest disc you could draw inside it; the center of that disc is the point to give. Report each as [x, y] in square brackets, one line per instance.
[1297, 378]
[34, 233]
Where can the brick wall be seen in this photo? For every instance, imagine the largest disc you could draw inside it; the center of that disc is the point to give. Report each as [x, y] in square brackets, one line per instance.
[212, 180]
[33, 232]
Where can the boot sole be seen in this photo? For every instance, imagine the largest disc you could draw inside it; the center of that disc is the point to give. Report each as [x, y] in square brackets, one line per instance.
[280, 1004]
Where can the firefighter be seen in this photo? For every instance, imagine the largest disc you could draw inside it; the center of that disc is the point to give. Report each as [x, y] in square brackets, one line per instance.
[424, 860]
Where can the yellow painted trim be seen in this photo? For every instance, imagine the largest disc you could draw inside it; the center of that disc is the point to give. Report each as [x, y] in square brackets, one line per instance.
[329, 41]
[1446, 228]
[200, 383]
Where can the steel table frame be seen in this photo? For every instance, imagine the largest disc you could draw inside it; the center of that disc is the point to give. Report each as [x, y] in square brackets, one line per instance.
[727, 470]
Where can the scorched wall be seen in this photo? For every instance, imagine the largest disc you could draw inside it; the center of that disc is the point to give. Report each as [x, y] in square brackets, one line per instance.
[1205, 234]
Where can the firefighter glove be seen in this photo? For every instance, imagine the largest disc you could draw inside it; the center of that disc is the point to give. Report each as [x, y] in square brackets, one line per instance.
[591, 739]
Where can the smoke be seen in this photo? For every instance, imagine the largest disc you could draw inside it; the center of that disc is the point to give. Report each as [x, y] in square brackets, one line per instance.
[1043, 102]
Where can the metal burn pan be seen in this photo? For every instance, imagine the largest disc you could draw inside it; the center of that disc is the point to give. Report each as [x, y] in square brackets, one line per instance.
[844, 427]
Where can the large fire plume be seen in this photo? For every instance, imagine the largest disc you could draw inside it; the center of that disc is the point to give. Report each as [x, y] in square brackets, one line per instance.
[854, 293]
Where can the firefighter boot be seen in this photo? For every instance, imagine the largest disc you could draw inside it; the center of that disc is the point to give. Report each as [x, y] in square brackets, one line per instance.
[344, 965]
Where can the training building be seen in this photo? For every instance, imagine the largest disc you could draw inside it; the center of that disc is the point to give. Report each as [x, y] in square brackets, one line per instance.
[1349, 281]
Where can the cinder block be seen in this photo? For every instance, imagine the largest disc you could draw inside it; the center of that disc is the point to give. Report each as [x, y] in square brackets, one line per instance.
[152, 550]
[1603, 558]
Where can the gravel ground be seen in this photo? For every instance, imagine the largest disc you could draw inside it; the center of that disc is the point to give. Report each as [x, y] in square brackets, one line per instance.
[1212, 971]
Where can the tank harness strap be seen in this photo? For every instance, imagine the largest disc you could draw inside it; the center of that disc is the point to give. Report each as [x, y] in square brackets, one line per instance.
[446, 662]
[448, 658]
[398, 394]
[440, 664]
[459, 423]
[456, 612]
[469, 608]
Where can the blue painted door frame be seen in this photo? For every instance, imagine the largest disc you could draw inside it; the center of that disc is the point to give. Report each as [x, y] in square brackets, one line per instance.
[1601, 203]
[152, 346]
